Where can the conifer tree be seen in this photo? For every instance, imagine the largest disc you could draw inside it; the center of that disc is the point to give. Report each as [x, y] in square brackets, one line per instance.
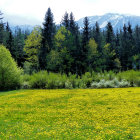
[98, 37]
[65, 21]
[1, 28]
[137, 40]
[85, 40]
[48, 32]
[9, 39]
[110, 36]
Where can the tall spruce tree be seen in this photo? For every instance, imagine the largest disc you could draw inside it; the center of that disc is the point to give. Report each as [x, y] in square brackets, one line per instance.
[137, 40]
[9, 39]
[130, 45]
[118, 44]
[75, 51]
[1, 28]
[110, 38]
[65, 21]
[98, 37]
[85, 40]
[48, 32]
[124, 48]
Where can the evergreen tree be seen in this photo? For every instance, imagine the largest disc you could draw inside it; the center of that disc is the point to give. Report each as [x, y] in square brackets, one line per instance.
[72, 24]
[117, 44]
[17, 50]
[110, 36]
[65, 20]
[98, 37]
[124, 50]
[130, 46]
[47, 40]
[137, 40]
[1, 28]
[85, 40]
[9, 39]
[110, 39]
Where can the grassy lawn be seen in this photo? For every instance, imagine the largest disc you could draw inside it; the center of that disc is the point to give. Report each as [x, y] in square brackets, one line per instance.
[70, 114]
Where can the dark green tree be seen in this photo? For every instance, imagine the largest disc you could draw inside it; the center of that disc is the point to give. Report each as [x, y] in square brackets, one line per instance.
[65, 21]
[110, 38]
[84, 48]
[98, 37]
[137, 40]
[48, 32]
[9, 39]
[17, 51]
[1, 28]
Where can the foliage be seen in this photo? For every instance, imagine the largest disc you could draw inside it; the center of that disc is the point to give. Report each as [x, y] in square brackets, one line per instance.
[32, 46]
[49, 80]
[9, 72]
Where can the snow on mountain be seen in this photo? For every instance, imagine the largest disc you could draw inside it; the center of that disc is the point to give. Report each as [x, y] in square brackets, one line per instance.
[117, 20]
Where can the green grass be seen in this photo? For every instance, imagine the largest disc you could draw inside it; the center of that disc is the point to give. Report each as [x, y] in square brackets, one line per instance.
[109, 114]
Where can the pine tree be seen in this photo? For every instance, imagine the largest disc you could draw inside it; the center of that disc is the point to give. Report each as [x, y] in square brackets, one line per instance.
[124, 48]
[47, 40]
[72, 24]
[110, 36]
[1, 28]
[98, 37]
[130, 45]
[9, 39]
[84, 49]
[137, 40]
[117, 44]
[65, 21]
[17, 50]
[110, 39]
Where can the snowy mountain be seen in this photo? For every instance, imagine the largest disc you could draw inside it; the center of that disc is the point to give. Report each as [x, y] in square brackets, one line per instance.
[117, 20]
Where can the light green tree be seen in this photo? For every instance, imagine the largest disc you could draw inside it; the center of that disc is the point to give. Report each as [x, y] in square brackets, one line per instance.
[32, 46]
[9, 72]
[64, 46]
[92, 55]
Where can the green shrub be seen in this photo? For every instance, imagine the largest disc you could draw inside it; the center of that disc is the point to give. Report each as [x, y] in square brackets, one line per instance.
[39, 80]
[50, 80]
[132, 76]
[9, 72]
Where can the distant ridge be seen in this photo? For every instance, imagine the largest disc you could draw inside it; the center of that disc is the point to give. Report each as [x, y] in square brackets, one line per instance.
[117, 20]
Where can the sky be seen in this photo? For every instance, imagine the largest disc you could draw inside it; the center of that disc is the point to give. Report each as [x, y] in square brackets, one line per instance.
[34, 10]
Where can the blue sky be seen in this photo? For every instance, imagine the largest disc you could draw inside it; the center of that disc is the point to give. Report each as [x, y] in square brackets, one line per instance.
[35, 9]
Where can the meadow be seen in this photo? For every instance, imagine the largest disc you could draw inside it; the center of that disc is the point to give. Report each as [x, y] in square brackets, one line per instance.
[75, 114]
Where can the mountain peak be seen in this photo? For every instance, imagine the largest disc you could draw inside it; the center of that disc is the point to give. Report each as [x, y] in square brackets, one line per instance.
[117, 20]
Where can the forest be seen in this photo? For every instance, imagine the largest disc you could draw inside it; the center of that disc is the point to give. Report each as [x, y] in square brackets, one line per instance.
[66, 50]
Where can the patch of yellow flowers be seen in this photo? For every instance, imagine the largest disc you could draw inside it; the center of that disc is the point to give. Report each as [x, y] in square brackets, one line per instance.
[71, 114]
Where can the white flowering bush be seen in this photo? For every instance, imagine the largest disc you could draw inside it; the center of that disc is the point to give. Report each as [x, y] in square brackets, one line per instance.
[115, 83]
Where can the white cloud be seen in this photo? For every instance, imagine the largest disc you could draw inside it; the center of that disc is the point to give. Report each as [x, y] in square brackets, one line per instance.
[80, 8]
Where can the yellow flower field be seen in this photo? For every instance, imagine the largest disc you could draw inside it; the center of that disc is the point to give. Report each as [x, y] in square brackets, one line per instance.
[78, 114]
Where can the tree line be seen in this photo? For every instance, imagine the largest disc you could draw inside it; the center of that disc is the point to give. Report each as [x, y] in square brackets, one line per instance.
[66, 49]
